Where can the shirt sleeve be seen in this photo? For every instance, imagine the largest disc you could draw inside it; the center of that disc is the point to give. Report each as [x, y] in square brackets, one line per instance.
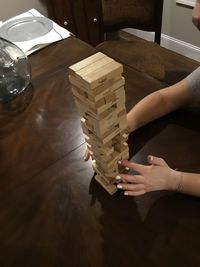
[193, 81]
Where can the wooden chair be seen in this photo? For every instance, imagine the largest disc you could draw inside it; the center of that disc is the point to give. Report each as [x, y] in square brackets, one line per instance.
[139, 14]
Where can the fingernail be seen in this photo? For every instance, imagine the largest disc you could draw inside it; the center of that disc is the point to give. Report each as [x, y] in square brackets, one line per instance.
[126, 193]
[119, 162]
[150, 158]
[118, 177]
[119, 186]
[127, 169]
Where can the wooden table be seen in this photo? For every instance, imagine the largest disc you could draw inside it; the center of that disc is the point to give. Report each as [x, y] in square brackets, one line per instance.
[53, 213]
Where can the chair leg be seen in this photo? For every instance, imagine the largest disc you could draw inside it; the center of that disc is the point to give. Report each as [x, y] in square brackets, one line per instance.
[159, 12]
[157, 37]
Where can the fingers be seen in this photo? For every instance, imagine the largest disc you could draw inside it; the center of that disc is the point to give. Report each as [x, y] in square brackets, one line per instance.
[156, 161]
[132, 165]
[86, 155]
[132, 189]
[133, 185]
[137, 179]
[134, 193]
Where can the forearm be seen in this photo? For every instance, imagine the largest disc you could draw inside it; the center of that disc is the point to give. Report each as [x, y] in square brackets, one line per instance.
[158, 104]
[148, 109]
[190, 184]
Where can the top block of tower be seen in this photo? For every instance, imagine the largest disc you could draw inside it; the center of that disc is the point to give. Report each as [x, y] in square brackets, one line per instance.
[96, 70]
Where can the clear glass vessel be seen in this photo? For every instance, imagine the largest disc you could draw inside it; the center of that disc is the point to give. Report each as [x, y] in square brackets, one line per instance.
[15, 72]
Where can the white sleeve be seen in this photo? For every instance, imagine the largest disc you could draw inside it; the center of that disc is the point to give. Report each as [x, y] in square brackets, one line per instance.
[193, 81]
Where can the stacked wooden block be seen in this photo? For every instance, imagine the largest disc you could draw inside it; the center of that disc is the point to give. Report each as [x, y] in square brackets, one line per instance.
[98, 90]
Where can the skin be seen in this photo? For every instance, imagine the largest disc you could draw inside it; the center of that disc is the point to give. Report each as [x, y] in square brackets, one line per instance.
[196, 15]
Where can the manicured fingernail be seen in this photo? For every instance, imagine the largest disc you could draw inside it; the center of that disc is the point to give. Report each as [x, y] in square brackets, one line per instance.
[119, 186]
[119, 162]
[126, 193]
[118, 177]
[150, 158]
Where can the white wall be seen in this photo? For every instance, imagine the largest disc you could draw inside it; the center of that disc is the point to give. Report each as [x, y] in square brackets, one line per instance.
[10, 8]
[177, 23]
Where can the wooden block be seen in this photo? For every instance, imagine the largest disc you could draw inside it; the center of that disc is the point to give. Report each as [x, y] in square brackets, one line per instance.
[82, 98]
[112, 172]
[123, 124]
[107, 179]
[97, 65]
[109, 86]
[86, 62]
[102, 150]
[103, 127]
[86, 127]
[120, 138]
[100, 77]
[103, 168]
[101, 91]
[120, 94]
[120, 147]
[111, 189]
[107, 105]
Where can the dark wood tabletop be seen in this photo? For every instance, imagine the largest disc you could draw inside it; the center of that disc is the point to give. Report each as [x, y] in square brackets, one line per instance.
[53, 213]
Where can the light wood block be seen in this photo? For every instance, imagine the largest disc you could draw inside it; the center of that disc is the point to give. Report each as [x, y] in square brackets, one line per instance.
[86, 62]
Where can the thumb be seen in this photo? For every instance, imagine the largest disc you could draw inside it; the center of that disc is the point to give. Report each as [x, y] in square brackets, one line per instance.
[156, 161]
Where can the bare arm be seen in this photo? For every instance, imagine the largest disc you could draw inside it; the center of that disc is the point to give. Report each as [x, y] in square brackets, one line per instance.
[158, 104]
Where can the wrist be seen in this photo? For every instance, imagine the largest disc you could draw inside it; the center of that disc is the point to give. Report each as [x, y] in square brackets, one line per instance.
[175, 181]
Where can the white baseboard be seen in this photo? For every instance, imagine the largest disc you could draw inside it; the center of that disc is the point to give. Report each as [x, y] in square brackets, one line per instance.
[171, 43]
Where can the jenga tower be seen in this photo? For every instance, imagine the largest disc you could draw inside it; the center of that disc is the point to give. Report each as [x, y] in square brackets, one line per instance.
[98, 90]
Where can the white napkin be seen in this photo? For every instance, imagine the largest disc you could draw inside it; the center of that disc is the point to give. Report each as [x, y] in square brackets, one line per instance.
[57, 33]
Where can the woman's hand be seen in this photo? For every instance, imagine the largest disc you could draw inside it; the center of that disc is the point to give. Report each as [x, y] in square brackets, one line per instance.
[196, 15]
[156, 176]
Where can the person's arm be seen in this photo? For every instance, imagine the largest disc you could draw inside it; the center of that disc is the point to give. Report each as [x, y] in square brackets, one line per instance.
[157, 176]
[196, 14]
[161, 102]
[158, 104]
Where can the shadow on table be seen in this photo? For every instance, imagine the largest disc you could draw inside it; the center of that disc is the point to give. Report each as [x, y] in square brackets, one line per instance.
[155, 229]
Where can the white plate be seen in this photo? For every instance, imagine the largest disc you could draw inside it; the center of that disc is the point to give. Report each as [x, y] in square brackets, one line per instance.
[25, 29]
